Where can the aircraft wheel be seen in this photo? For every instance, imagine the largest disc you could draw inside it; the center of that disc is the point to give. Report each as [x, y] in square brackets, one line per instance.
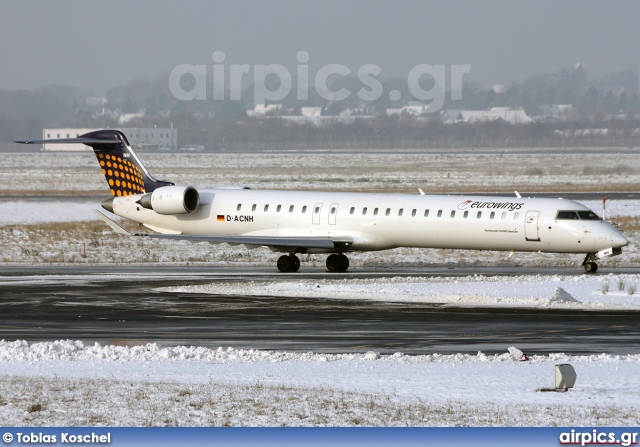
[295, 263]
[333, 263]
[591, 267]
[344, 263]
[288, 263]
[337, 263]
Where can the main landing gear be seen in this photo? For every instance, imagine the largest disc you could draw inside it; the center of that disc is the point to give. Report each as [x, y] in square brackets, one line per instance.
[291, 263]
[589, 265]
[337, 263]
[288, 263]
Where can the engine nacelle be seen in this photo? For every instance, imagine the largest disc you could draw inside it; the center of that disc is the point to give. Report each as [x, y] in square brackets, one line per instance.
[172, 200]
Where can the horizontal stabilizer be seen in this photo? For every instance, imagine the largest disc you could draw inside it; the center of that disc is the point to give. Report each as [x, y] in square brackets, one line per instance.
[87, 141]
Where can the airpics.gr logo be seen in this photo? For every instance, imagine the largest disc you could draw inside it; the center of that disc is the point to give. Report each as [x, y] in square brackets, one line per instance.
[509, 206]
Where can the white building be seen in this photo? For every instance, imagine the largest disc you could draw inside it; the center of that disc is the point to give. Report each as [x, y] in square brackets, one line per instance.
[515, 115]
[149, 138]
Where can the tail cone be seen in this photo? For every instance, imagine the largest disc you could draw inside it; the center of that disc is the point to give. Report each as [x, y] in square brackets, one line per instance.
[108, 205]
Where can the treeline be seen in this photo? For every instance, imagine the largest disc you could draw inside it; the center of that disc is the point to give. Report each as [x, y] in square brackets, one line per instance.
[223, 134]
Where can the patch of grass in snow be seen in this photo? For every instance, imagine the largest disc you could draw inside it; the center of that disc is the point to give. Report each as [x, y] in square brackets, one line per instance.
[89, 402]
[627, 223]
[34, 408]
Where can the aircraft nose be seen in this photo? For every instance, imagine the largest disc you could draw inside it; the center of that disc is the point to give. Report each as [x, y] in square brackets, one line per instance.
[618, 240]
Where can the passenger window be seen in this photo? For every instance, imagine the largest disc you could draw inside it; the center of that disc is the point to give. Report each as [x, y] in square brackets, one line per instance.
[426, 213]
[317, 210]
[400, 211]
[515, 216]
[375, 211]
[466, 214]
[333, 210]
[253, 208]
[493, 214]
[364, 211]
[304, 209]
[352, 210]
[504, 215]
[413, 213]
[266, 208]
[387, 212]
[479, 214]
[291, 209]
[453, 214]
[239, 207]
[439, 213]
[279, 208]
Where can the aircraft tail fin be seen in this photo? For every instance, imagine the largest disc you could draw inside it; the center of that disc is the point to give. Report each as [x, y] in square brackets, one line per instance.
[123, 170]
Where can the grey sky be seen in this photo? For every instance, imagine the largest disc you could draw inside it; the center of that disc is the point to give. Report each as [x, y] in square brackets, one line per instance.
[96, 45]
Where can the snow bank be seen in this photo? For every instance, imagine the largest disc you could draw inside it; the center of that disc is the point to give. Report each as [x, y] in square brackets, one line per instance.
[578, 292]
[75, 350]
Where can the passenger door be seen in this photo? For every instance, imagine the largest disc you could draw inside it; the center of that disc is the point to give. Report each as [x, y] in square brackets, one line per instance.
[531, 226]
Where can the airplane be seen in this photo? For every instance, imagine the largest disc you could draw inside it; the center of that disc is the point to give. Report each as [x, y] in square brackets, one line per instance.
[337, 223]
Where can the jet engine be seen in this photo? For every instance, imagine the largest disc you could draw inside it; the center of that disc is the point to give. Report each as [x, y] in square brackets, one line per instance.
[172, 200]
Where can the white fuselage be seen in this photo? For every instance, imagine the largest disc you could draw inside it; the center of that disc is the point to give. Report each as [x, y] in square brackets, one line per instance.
[385, 221]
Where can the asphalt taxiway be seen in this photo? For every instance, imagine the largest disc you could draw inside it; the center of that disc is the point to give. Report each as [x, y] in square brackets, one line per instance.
[122, 305]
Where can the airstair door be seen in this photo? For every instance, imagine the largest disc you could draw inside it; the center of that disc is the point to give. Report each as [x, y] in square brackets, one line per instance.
[531, 226]
[317, 208]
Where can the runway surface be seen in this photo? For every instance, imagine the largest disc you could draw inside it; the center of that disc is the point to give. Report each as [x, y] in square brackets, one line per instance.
[120, 305]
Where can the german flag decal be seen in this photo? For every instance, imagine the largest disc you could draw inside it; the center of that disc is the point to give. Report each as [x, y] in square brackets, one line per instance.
[220, 217]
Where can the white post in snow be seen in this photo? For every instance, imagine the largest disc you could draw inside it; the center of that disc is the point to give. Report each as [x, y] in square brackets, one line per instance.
[604, 207]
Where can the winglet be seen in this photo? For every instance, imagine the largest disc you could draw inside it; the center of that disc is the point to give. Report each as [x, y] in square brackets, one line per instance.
[114, 226]
[421, 191]
[518, 195]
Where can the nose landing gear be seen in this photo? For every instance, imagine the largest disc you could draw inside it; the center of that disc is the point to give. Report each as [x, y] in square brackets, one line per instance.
[589, 265]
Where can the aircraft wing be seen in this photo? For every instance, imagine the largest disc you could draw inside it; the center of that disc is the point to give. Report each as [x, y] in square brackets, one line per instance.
[326, 242]
[259, 241]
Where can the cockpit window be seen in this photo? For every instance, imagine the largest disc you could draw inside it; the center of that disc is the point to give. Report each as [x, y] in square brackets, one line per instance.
[588, 215]
[567, 215]
[575, 215]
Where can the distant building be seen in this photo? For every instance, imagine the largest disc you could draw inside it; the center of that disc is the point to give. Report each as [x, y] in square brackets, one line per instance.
[556, 111]
[148, 138]
[410, 110]
[515, 115]
[264, 109]
[126, 117]
[311, 111]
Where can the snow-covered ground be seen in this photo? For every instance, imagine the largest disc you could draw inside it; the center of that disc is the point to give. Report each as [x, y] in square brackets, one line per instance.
[72, 172]
[67, 383]
[575, 292]
[40, 211]
[62, 383]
